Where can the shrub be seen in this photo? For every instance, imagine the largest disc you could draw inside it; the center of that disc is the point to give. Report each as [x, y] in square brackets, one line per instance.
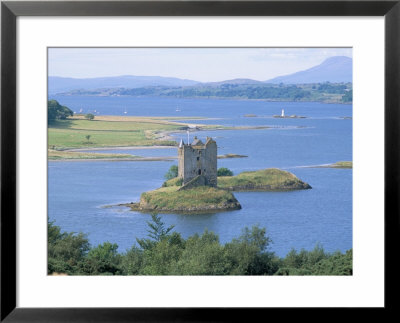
[224, 172]
[89, 116]
[172, 172]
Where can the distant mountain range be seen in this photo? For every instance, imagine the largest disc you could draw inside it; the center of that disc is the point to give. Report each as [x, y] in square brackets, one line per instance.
[336, 69]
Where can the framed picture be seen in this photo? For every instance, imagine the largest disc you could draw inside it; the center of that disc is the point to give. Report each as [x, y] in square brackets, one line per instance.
[310, 78]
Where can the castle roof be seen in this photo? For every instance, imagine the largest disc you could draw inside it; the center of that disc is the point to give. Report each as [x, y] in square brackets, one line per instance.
[197, 142]
[210, 140]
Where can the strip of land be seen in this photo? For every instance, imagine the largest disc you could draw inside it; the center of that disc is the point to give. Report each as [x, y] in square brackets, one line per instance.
[70, 139]
[78, 155]
[339, 164]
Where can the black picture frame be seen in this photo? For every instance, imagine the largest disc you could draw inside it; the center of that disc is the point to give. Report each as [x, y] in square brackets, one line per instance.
[10, 10]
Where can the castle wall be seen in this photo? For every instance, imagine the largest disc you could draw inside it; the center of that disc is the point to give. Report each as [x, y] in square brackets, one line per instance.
[210, 163]
[198, 160]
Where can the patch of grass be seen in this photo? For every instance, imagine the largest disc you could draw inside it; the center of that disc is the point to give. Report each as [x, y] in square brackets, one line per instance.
[176, 181]
[271, 179]
[103, 132]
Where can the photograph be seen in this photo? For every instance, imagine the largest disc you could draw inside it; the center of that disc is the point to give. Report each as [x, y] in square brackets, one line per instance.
[182, 161]
[198, 159]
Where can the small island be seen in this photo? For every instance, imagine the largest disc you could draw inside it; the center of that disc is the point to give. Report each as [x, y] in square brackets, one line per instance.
[265, 180]
[195, 200]
[197, 188]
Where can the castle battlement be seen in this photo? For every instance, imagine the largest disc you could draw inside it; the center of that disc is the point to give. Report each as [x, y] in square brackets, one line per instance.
[197, 159]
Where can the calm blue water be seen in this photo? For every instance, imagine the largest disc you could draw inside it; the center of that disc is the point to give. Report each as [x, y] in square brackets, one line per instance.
[79, 190]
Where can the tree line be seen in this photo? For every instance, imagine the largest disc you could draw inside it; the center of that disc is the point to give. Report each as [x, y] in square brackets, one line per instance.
[166, 252]
[338, 92]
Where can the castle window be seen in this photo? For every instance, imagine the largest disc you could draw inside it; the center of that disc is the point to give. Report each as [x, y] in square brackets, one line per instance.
[198, 158]
[199, 171]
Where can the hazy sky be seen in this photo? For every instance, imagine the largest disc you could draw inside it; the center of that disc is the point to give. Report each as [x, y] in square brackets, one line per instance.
[199, 64]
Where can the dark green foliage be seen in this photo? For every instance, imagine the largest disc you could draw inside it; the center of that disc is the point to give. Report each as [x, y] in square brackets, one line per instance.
[172, 172]
[316, 262]
[132, 261]
[332, 88]
[66, 251]
[167, 253]
[247, 91]
[336, 264]
[301, 263]
[103, 260]
[203, 255]
[157, 231]
[224, 172]
[248, 254]
[323, 92]
[89, 116]
[57, 111]
[161, 258]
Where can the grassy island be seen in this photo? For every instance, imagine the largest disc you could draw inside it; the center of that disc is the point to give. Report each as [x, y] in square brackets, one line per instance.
[170, 198]
[271, 179]
[198, 199]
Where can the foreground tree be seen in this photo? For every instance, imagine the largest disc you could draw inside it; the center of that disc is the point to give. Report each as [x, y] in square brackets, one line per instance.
[165, 252]
[66, 251]
[103, 260]
[157, 231]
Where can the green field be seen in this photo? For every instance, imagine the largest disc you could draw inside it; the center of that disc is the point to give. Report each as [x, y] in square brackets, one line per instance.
[109, 131]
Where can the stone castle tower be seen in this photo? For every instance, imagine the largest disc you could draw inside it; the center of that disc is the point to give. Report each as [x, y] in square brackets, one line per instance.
[198, 160]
